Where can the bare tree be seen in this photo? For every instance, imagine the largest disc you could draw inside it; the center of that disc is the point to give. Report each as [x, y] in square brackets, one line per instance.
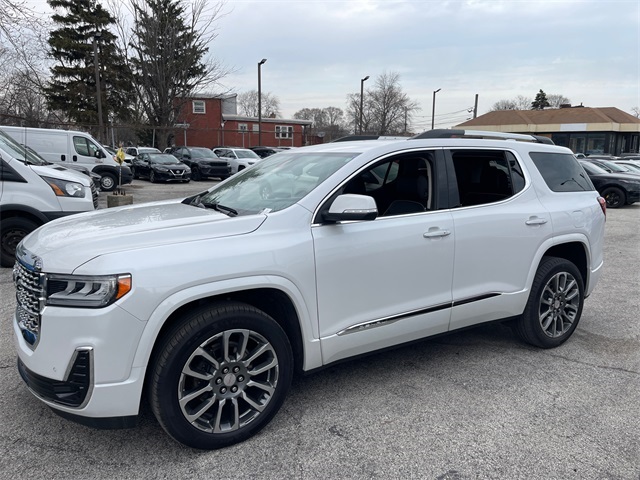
[556, 100]
[387, 110]
[167, 46]
[518, 103]
[22, 55]
[248, 104]
[636, 111]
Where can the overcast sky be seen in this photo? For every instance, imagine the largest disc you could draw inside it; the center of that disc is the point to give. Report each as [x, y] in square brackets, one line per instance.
[317, 51]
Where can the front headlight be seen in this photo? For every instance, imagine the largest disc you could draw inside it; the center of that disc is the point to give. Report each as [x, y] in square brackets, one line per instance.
[86, 291]
[64, 188]
[161, 169]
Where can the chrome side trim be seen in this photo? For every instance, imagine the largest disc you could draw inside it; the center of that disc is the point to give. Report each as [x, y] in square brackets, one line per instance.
[391, 319]
[401, 316]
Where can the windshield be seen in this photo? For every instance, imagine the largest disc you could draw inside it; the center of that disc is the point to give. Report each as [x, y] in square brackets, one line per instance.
[276, 182]
[20, 152]
[163, 158]
[246, 154]
[202, 153]
[593, 169]
[613, 166]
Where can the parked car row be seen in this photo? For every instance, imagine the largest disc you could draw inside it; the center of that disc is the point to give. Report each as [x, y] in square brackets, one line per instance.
[618, 185]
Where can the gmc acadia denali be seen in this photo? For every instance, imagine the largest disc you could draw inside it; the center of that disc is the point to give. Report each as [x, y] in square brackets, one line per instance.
[209, 305]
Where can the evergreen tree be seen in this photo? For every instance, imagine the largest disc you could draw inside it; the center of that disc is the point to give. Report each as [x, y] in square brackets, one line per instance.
[167, 61]
[84, 36]
[540, 102]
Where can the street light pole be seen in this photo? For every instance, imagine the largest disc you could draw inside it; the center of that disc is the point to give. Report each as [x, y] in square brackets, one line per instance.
[433, 110]
[362, 99]
[96, 37]
[260, 101]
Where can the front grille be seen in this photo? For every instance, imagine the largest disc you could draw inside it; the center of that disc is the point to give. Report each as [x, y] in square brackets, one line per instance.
[217, 164]
[72, 391]
[94, 195]
[29, 301]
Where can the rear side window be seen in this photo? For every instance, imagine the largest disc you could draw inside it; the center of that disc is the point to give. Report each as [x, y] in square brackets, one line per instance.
[486, 176]
[561, 172]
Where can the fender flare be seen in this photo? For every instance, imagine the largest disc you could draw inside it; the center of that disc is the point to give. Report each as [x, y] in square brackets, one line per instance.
[310, 341]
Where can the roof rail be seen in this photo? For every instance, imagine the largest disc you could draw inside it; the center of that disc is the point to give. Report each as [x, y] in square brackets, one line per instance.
[353, 138]
[453, 133]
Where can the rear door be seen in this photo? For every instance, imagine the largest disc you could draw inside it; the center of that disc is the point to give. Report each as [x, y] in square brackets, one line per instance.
[500, 225]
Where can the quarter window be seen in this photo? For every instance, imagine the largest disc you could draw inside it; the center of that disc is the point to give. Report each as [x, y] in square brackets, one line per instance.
[561, 172]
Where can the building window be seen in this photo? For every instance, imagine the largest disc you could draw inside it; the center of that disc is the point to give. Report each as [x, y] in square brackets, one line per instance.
[256, 127]
[242, 127]
[284, 132]
[198, 106]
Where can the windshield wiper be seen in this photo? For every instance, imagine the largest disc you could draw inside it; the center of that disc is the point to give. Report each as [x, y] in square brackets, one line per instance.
[221, 208]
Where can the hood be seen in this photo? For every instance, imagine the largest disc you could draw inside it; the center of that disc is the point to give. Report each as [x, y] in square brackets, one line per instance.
[68, 242]
[62, 173]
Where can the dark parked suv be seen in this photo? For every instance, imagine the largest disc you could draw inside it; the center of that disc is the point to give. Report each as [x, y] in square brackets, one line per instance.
[203, 162]
[618, 189]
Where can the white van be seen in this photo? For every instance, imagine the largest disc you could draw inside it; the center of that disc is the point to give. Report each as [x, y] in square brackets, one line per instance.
[33, 191]
[69, 146]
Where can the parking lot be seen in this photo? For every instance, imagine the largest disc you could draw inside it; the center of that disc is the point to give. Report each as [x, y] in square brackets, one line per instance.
[473, 404]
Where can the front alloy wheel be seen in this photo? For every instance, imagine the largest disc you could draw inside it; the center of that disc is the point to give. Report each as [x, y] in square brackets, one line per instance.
[221, 375]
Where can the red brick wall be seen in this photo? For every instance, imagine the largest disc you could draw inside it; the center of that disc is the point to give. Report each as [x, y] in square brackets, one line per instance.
[205, 130]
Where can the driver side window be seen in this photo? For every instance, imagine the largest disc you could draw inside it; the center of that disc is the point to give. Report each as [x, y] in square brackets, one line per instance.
[401, 185]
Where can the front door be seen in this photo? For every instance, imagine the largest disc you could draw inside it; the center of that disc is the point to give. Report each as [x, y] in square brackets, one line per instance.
[385, 281]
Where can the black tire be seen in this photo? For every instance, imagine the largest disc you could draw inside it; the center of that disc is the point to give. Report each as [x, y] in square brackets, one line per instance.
[195, 174]
[108, 182]
[134, 173]
[14, 229]
[614, 197]
[191, 359]
[152, 177]
[555, 304]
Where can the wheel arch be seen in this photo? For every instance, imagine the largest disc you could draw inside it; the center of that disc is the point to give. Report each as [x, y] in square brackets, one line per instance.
[23, 211]
[576, 252]
[274, 301]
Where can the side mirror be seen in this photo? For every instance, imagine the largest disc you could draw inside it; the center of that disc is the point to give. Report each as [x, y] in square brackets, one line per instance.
[99, 154]
[350, 207]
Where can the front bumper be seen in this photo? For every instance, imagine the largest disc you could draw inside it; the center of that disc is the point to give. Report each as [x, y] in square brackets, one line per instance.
[215, 171]
[82, 364]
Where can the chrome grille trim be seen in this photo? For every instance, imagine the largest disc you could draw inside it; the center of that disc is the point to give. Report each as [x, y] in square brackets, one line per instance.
[30, 293]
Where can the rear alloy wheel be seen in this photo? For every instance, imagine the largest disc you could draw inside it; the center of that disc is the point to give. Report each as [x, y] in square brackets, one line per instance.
[614, 196]
[555, 304]
[220, 375]
[195, 174]
[152, 177]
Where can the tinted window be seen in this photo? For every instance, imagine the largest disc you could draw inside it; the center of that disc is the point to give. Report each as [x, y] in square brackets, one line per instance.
[485, 176]
[400, 185]
[561, 172]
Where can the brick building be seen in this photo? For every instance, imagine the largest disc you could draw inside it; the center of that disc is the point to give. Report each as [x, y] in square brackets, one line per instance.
[212, 120]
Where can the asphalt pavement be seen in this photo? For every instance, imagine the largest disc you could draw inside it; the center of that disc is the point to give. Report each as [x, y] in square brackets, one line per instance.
[471, 405]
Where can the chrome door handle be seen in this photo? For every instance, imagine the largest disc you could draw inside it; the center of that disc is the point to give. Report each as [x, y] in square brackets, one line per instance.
[436, 233]
[536, 221]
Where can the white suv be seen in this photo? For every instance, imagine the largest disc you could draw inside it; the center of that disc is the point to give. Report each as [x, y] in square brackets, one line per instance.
[209, 305]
